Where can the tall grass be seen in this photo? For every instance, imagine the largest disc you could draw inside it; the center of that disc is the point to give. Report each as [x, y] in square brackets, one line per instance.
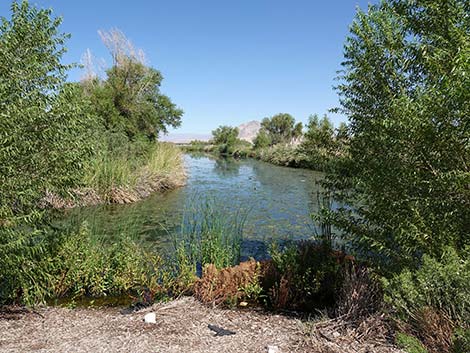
[108, 171]
[136, 168]
[209, 235]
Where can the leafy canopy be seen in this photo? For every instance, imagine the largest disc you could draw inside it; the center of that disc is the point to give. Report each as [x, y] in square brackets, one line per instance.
[405, 87]
[129, 98]
[281, 128]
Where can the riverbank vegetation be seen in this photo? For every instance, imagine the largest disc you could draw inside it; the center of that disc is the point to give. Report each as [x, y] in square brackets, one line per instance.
[398, 175]
[67, 144]
[281, 141]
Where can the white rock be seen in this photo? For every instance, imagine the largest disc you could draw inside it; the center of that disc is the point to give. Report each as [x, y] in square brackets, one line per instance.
[150, 318]
[273, 349]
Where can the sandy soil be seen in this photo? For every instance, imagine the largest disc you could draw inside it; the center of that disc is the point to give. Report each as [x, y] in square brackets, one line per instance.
[182, 326]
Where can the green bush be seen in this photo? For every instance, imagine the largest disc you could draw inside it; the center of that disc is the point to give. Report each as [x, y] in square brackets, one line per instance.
[89, 266]
[409, 343]
[461, 341]
[303, 276]
[442, 284]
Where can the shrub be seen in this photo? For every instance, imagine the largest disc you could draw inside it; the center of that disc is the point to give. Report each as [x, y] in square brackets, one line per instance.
[409, 343]
[461, 341]
[230, 285]
[89, 266]
[303, 276]
[433, 299]
[441, 284]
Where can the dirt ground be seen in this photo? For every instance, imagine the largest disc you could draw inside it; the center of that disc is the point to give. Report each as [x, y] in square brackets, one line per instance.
[181, 326]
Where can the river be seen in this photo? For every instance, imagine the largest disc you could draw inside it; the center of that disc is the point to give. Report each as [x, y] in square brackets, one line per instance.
[278, 202]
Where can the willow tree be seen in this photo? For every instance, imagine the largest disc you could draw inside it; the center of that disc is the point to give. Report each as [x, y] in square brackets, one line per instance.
[405, 88]
[129, 99]
[44, 136]
[281, 128]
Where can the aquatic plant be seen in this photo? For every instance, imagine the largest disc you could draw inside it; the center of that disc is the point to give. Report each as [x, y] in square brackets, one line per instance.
[209, 236]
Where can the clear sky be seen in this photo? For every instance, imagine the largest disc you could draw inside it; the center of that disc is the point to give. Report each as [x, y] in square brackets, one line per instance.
[224, 62]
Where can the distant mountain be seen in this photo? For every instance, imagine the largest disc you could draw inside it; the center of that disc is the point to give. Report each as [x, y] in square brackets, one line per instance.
[248, 131]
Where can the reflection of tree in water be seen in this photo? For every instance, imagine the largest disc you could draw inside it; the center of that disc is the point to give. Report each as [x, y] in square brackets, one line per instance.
[290, 184]
[226, 167]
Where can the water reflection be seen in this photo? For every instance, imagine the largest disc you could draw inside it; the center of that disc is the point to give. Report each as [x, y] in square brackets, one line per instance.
[279, 202]
[226, 167]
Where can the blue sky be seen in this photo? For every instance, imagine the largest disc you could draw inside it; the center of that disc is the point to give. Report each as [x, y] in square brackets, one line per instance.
[224, 62]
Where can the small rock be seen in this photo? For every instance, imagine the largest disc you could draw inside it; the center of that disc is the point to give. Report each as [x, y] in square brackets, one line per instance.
[243, 304]
[150, 318]
[273, 349]
[336, 334]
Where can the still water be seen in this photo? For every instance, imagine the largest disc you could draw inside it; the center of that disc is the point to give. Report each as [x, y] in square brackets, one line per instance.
[277, 201]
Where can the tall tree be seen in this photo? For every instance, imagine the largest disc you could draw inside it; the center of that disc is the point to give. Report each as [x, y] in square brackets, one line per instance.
[225, 135]
[281, 128]
[320, 133]
[405, 89]
[45, 139]
[129, 99]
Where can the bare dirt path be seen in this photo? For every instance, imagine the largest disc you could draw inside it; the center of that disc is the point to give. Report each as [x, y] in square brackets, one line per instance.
[181, 326]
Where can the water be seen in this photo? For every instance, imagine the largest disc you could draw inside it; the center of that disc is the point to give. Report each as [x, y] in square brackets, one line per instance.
[278, 202]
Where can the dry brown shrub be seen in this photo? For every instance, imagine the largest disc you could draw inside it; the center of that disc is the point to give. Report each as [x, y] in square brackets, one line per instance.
[223, 286]
[280, 294]
[434, 329]
[361, 293]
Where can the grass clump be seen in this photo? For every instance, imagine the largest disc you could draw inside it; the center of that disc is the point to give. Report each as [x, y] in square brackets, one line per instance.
[209, 236]
[125, 171]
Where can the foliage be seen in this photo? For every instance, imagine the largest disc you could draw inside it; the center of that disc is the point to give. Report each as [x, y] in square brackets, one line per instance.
[129, 99]
[404, 88]
[262, 140]
[303, 276]
[461, 341]
[409, 343]
[226, 137]
[209, 236]
[439, 283]
[319, 134]
[283, 155]
[44, 130]
[281, 128]
[89, 266]
[46, 138]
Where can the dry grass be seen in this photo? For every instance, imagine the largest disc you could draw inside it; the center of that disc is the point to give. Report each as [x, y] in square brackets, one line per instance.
[181, 327]
[221, 286]
[370, 335]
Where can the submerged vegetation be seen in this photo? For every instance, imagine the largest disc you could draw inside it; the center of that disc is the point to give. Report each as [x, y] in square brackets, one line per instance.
[61, 141]
[398, 175]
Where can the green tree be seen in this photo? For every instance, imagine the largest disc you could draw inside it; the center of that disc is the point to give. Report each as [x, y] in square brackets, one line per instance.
[45, 138]
[320, 133]
[129, 99]
[405, 89]
[281, 128]
[342, 132]
[262, 139]
[226, 137]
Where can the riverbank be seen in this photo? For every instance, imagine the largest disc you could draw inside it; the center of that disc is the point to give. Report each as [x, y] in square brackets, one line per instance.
[320, 160]
[181, 326]
[125, 178]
